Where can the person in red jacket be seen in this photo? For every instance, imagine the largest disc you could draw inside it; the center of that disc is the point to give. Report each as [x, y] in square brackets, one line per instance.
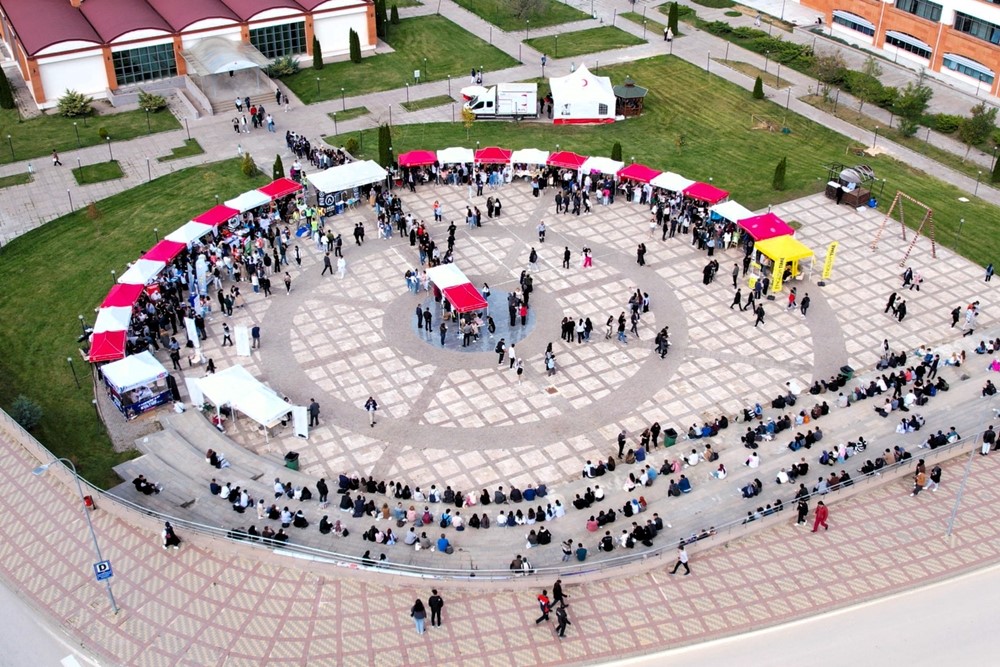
[821, 515]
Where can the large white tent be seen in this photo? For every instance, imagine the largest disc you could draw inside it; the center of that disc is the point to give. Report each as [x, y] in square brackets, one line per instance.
[446, 275]
[347, 176]
[730, 210]
[115, 318]
[248, 201]
[668, 180]
[236, 387]
[189, 232]
[529, 156]
[141, 272]
[135, 371]
[582, 97]
[602, 165]
[456, 155]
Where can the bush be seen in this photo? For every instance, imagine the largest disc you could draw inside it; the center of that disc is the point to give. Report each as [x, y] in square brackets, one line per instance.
[394, 16]
[248, 167]
[6, 93]
[947, 123]
[102, 132]
[351, 146]
[758, 89]
[151, 101]
[74, 104]
[355, 43]
[778, 182]
[317, 54]
[278, 170]
[616, 152]
[282, 67]
[26, 412]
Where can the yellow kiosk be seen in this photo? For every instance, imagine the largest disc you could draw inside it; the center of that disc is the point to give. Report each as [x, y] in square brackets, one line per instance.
[785, 251]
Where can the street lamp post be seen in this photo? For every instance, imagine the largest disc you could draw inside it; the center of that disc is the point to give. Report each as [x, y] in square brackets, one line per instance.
[767, 56]
[979, 177]
[149, 128]
[114, 277]
[76, 380]
[644, 28]
[76, 129]
[38, 472]
[958, 232]
[156, 234]
[335, 130]
[557, 46]
[527, 26]
[875, 140]
[407, 93]
[778, 75]
[83, 327]
[343, 104]
[317, 86]
[390, 115]
[10, 142]
[449, 85]
[111, 156]
[993, 162]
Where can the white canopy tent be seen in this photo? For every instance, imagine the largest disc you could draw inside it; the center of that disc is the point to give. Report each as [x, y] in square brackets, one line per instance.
[347, 176]
[446, 275]
[730, 210]
[141, 272]
[249, 201]
[115, 318]
[189, 233]
[582, 97]
[602, 165]
[668, 180]
[135, 371]
[236, 387]
[529, 156]
[456, 155]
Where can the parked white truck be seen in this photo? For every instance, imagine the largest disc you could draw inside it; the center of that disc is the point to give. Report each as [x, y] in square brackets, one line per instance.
[506, 100]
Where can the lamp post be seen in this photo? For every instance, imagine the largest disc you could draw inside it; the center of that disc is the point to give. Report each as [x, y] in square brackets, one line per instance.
[76, 380]
[83, 327]
[767, 57]
[149, 128]
[644, 28]
[958, 232]
[407, 93]
[114, 277]
[335, 130]
[149, 171]
[424, 71]
[993, 162]
[38, 472]
[557, 45]
[778, 75]
[875, 140]
[390, 115]
[76, 129]
[10, 142]
[343, 104]
[449, 85]
[317, 86]
[111, 156]
[979, 177]
[156, 234]
[782, 17]
[527, 26]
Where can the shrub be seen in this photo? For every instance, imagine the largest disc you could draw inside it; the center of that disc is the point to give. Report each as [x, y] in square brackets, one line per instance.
[74, 104]
[282, 67]
[351, 146]
[6, 93]
[758, 89]
[947, 123]
[616, 151]
[355, 43]
[151, 101]
[102, 132]
[278, 170]
[394, 16]
[317, 54]
[247, 166]
[26, 412]
[778, 182]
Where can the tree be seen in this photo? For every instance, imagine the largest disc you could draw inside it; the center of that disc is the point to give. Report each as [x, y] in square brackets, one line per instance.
[26, 412]
[6, 94]
[73, 104]
[317, 54]
[247, 166]
[384, 144]
[910, 106]
[758, 89]
[468, 118]
[778, 182]
[380, 19]
[867, 87]
[672, 17]
[525, 9]
[278, 170]
[394, 15]
[355, 42]
[616, 152]
[978, 127]
[828, 68]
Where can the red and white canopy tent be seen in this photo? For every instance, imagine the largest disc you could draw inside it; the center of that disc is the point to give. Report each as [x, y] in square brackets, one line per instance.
[107, 346]
[566, 160]
[705, 192]
[417, 158]
[164, 251]
[122, 296]
[766, 226]
[279, 188]
[493, 155]
[638, 172]
[459, 290]
[217, 215]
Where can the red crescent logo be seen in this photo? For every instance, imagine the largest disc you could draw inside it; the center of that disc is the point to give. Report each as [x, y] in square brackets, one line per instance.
[584, 83]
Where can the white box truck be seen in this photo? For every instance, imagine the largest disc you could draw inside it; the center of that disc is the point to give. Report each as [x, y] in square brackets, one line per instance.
[506, 99]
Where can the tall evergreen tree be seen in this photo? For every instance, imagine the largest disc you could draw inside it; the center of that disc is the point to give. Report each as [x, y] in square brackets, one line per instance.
[778, 183]
[355, 42]
[317, 54]
[6, 94]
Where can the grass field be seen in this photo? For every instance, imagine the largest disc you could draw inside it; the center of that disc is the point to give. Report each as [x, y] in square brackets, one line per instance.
[350, 114]
[15, 179]
[432, 44]
[768, 78]
[501, 13]
[190, 147]
[98, 172]
[63, 269]
[654, 28]
[41, 135]
[582, 42]
[699, 126]
[428, 102]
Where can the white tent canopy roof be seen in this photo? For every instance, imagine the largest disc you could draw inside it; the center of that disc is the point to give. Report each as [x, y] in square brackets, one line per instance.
[668, 180]
[113, 319]
[189, 233]
[581, 85]
[347, 176]
[446, 275]
[249, 200]
[216, 55]
[141, 272]
[529, 156]
[135, 371]
[603, 165]
[730, 210]
[245, 393]
[455, 155]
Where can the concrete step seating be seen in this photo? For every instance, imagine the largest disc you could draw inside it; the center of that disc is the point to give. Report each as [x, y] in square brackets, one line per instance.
[178, 491]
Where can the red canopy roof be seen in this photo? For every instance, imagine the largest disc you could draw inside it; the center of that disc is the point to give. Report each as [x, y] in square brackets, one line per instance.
[566, 160]
[638, 172]
[216, 215]
[465, 298]
[493, 155]
[417, 158]
[705, 192]
[107, 346]
[164, 251]
[767, 226]
[279, 188]
[122, 296]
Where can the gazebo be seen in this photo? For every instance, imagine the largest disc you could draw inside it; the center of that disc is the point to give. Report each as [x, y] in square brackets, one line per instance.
[628, 98]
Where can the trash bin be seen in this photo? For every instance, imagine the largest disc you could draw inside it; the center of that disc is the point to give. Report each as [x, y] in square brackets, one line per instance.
[669, 437]
[847, 372]
[292, 460]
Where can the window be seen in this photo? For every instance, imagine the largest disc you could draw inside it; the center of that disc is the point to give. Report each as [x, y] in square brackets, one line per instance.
[602, 109]
[853, 25]
[977, 27]
[280, 40]
[922, 8]
[967, 66]
[144, 64]
[908, 44]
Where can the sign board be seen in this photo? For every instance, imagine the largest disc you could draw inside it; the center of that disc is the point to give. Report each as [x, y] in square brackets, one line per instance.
[416, 74]
[102, 570]
[831, 255]
[778, 274]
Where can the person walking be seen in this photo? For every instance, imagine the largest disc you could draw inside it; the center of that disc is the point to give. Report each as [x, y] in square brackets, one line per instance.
[736, 275]
[288, 283]
[989, 271]
[327, 265]
[255, 336]
[558, 597]
[822, 513]
[226, 338]
[544, 606]
[313, 413]
[371, 405]
[891, 303]
[566, 256]
[436, 603]
[760, 315]
[500, 349]
[418, 613]
[341, 267]
[737, 299]
[934, 479]
[803, 512]
[541, 232]
[682, 559]
[170, 538]
[56, 162]
[804, 305]
[956, 313]
[562, 621]
[443, 329]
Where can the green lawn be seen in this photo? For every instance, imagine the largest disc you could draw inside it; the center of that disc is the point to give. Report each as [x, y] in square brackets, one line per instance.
[715, 4]
[428, 102]
[15, 179]
[769, 78]
[654, 28]
[98, 172]
[190, 147]
[699, 126]
[502, 14]
[403, 3]
[39, 307]
[594, 40]
[40, 135]
[350, 114]
[432, 44]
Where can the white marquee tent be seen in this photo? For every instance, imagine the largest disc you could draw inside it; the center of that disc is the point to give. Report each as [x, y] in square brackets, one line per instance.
[236, 387]
[347, 176]
[141, 272]
[730, 210]
[603, 165]
[582, 97]
[248, 201]
[456, 155]
[668, 180]
[189, 232]
[135, 371]
[529, 156]
[115, 318]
